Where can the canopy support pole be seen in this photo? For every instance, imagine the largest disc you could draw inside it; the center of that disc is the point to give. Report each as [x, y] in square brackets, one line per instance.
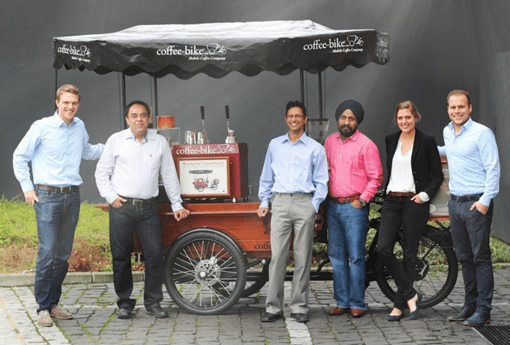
[302, 83]
[156, 110]
[321, 112]
[123, 100]
[56, 86]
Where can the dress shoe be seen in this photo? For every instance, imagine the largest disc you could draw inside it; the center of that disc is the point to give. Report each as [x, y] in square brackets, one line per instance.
[337, 311]
[300, 317]
[414, 314]
[269, 317]
[124, 313]
[463, 315]
[157, 311]
[357, 312]
[478, 319]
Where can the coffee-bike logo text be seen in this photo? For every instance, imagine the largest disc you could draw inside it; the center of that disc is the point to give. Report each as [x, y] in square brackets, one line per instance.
[211, 51]
[80, 53]
[351, 44]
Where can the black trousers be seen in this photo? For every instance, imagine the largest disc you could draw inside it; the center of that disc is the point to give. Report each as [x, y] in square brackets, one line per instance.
[413, 217]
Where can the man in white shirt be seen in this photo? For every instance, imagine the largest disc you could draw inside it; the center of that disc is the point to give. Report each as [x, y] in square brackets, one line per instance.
[127, 177]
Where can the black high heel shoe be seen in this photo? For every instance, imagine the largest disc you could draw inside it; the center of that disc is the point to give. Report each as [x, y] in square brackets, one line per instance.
[414, 314]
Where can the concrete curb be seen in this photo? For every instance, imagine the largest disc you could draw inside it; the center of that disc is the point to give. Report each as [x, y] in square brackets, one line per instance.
[11, 280]
[27, 279]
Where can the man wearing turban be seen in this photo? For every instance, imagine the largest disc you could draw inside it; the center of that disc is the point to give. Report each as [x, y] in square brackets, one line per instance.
[355, 175]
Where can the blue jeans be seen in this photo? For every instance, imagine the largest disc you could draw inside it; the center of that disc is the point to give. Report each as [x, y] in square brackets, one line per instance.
[57, 215]
[124, 221]
[347, 234]
[413, 217]
[471, 235]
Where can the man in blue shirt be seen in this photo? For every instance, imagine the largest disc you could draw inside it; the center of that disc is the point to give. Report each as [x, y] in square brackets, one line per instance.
[473, 164]
[295, 178]
[55, 146]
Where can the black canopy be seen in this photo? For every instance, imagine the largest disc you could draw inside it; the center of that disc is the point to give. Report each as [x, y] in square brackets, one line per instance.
[217, 49]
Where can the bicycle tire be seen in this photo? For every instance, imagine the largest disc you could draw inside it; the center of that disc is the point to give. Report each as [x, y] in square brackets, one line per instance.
[256, 281]
[435, 285]
[205, 272]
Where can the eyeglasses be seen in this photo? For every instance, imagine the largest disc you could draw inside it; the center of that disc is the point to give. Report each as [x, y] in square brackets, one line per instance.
[297, 117]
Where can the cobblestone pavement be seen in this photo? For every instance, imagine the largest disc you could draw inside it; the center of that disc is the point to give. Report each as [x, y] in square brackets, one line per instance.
[94, 308]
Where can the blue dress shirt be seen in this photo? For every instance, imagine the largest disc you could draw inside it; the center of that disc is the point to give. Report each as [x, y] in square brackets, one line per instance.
[55, 150]
[299, 167]
[473, 160]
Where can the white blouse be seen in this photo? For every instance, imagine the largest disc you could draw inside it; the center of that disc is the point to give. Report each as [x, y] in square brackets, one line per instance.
[401, 179]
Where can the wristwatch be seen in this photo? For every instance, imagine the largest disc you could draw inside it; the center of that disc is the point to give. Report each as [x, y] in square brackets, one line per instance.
[362, 202]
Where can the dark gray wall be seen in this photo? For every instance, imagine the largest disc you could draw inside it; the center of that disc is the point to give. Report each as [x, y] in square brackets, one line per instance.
[435, 46]
[495, 101]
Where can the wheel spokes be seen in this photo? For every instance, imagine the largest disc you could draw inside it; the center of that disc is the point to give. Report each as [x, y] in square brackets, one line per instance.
[205, 270]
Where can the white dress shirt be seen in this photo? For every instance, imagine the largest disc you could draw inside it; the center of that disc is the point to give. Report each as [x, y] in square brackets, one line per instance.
[130, 168]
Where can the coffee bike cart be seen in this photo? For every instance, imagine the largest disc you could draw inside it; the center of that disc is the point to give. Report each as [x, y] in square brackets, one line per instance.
[221, 252]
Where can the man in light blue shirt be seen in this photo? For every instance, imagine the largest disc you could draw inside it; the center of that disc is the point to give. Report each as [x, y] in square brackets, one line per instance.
[295, 178]
[473, 164]
[55, 146]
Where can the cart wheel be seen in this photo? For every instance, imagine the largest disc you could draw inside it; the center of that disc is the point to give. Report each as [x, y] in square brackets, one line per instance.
[200, 189]
[214, 186]
[205, 272]
[255, 280]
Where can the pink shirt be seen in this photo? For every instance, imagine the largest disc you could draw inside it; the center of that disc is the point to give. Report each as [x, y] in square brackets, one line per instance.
[355, 166]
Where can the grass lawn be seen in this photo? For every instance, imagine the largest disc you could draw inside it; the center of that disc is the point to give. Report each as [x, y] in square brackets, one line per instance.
[18, 239]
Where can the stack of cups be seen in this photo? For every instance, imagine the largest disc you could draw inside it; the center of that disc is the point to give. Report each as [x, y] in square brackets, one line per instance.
[201, 138]
[190, 138]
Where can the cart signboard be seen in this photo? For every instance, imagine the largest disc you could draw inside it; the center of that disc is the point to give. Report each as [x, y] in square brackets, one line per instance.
[204, 177]
[212, 170]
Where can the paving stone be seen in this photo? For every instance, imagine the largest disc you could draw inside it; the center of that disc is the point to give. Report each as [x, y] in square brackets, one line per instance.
[94, 307]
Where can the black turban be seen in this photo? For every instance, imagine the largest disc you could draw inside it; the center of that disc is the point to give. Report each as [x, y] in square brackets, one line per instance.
[354, 106]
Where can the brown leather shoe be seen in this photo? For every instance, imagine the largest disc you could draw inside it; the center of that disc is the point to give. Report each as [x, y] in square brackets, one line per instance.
[357, 312]
[337, 311]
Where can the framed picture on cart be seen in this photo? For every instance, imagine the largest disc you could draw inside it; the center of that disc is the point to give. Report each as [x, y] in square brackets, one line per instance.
[204, 177]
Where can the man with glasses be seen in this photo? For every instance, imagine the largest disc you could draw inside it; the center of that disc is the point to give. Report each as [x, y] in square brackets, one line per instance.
[294, 178]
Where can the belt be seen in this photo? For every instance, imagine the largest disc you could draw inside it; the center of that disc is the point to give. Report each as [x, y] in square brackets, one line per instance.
[140, 202]
[63, 190]
[295, 194]
[343, 200]
[402, 194]
[472, 197]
